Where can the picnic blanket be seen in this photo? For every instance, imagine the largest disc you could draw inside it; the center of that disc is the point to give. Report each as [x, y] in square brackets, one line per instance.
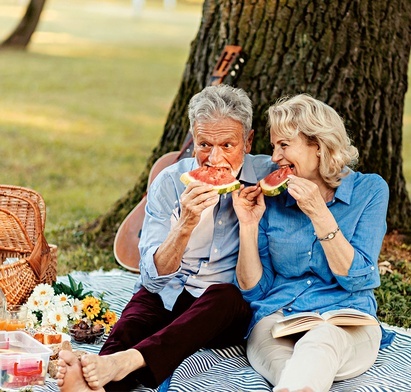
[228, 370]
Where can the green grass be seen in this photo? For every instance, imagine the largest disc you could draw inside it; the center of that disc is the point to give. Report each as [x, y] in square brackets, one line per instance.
[83, 107]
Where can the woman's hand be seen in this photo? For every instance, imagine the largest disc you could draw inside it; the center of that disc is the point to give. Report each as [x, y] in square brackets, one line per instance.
[307, 195]
[249, 204]
[339, 252]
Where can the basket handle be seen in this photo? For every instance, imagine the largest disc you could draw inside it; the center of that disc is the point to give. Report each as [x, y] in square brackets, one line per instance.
[40, 257]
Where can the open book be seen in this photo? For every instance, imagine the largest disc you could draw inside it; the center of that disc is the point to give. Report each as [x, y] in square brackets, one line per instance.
[304, 321]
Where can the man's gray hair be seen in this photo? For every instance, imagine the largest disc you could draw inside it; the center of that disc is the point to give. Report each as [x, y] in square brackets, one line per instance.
[221, 101]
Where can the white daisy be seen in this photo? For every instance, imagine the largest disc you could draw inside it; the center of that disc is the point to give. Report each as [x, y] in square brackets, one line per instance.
[32, 318]
[76, 309]
[61, 299]
[43, 290]
[58, 318]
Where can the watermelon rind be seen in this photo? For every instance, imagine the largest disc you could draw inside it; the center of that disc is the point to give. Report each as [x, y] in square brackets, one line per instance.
[266, 183]
[269, 190]
[185, 178]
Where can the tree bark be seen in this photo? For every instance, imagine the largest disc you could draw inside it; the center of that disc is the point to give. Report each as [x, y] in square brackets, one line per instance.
[352, 54]
[21, 36]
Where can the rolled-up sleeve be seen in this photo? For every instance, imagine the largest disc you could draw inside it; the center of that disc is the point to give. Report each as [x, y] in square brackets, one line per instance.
[366, 240]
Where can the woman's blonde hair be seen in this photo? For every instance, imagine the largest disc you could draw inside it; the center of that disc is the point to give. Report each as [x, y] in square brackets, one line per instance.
[321, 125]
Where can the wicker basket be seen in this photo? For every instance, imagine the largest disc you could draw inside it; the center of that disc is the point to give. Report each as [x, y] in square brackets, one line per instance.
[22, 222]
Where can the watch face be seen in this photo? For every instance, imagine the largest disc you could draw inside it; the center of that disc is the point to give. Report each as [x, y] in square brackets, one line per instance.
[331, 236]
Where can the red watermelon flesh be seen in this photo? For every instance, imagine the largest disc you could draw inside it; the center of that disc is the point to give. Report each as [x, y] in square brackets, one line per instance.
[276, 182]
[220, 177]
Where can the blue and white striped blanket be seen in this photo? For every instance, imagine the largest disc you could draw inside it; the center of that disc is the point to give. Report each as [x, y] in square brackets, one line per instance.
[228, 370]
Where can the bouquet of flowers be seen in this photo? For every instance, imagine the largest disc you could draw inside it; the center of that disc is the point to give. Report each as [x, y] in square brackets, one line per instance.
[63, 306]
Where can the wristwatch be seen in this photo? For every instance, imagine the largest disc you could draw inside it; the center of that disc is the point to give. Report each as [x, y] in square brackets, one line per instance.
[329, 236]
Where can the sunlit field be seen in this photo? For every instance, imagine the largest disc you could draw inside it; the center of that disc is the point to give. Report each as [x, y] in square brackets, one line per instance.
[82, 109]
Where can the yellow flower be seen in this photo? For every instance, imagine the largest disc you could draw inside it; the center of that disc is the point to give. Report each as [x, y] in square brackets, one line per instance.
[91, 307]
[110, 317]
[107, 327]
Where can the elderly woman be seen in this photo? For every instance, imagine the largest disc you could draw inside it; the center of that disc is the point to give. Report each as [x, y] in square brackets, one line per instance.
[312, 248]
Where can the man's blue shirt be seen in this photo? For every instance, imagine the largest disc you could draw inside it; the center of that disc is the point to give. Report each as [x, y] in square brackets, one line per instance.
[296, 276]
[212, 252]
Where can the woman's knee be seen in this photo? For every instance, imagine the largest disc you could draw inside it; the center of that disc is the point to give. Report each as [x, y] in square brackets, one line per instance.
[326, 338]
[325, 333]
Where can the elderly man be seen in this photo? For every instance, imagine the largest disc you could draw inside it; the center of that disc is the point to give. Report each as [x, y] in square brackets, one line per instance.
[189, 249]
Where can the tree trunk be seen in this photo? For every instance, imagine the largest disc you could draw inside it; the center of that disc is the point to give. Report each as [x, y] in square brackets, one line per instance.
[21, 36]
[352, 54]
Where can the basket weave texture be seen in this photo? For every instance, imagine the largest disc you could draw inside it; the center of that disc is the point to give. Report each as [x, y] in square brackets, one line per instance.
[22, 223]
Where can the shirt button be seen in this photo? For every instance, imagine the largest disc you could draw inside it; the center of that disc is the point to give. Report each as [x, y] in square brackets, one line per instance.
[220, 222]
[205, 264]
[215, 250]
[290, 309]
[372, 268]
[193, 276]
[308, 281]
[309, 253]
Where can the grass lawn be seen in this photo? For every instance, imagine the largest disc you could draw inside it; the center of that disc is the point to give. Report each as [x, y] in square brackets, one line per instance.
[82, 109]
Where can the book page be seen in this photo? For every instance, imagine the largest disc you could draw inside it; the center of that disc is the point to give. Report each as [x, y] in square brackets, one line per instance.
[304, 321]
[349, 317]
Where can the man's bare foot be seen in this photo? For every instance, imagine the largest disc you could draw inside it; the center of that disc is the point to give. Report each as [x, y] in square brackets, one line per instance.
[69, 374]
[99, 370]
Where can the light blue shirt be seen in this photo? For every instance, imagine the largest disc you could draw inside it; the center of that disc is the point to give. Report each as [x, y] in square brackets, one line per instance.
[212, 252]
[296, 276]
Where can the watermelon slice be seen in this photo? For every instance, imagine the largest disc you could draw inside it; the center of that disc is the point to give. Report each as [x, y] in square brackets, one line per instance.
[220, 177]
[276, 182]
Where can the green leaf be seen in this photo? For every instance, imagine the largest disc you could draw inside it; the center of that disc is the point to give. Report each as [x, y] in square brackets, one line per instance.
[73, 289]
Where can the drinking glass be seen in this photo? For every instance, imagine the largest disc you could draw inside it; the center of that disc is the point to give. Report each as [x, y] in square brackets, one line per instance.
[16, 318]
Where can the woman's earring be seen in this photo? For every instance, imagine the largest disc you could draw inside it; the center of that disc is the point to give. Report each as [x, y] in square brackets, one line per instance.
[318, 154]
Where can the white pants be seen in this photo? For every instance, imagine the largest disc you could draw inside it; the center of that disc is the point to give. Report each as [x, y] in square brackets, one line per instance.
[315, 359]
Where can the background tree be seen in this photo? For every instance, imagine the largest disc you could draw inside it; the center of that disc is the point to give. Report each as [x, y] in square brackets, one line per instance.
[21, 36]
[352, 54]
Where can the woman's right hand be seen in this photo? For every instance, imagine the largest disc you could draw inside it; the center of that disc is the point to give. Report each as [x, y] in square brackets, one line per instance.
[249, 204]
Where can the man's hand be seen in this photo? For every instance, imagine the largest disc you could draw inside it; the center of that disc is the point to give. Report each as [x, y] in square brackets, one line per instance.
[194, 200]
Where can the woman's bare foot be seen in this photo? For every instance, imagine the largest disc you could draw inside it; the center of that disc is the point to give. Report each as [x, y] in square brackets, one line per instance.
[70, 376]
[98, 370]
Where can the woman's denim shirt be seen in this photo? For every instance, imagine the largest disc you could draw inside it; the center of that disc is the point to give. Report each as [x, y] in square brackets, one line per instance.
[296, 276]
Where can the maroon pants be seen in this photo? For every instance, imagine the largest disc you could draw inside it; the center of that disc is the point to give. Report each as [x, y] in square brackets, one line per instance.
[218, 318]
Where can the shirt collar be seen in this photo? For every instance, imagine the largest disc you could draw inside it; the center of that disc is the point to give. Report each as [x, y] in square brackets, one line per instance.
[345, 190]
[343, 193]
[247, 173]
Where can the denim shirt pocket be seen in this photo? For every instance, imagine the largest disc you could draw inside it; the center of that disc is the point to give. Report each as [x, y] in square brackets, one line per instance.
[290, 257]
